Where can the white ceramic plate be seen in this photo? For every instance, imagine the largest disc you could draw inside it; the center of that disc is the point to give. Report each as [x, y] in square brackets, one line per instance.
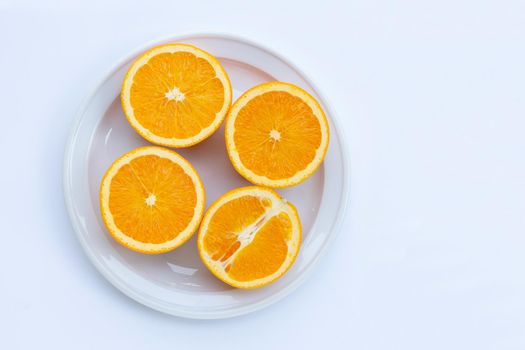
[177, 282]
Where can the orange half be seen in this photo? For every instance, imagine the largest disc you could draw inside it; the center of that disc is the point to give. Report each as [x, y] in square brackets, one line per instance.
[276, 135]
[176, 95]
[152, 200]
[249, 237]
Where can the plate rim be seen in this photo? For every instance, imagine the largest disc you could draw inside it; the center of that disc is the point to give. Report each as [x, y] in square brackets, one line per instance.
[121, 286]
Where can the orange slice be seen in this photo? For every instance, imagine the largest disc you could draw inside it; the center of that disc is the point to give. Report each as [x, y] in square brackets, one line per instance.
[151, 200]
[249, 237]
[176, 95]
[276, 135]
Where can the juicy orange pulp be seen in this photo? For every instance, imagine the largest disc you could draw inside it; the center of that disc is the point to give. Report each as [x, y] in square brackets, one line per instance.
[266, 253]
[251, 239]
[146, 200]
[176, 95]
[276, 135]
[151, 200]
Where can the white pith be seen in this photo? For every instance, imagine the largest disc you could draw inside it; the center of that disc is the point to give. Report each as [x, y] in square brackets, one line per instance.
[275, 135]
[175, 94]
[151, 200]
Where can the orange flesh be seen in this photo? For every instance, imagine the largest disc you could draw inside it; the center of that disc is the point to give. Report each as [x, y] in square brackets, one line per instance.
[194, 77]
[158, 220]
[228, 222]
[298, 133]
[264, 254]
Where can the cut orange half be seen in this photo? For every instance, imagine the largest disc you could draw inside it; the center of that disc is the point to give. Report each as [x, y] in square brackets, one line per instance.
[276, 135]
[176, 95]
[249, 237]
[152, 200]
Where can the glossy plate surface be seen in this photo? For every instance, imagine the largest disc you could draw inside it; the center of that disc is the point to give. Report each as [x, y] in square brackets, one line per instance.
[177, 282]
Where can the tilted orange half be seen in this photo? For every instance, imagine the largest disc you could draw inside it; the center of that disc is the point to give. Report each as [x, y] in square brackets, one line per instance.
[276, 135]
[152, 200]
[249, 237]
[176, 95]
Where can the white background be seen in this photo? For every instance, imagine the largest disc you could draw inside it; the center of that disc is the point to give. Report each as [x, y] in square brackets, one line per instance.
[431, 95]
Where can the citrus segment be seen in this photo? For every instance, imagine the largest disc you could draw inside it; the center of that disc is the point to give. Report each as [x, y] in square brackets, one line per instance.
[276, 135]
[249, 237]
[151, 200]
[176, 95]
[266, 253]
